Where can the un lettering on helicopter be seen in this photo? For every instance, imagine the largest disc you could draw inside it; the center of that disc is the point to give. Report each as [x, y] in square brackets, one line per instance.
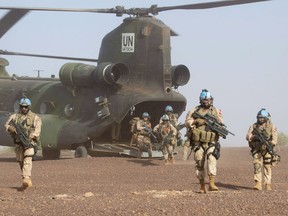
[87, 104]
[128, 42]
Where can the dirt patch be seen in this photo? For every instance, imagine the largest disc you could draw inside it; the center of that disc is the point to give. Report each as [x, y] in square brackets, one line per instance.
[131, 186]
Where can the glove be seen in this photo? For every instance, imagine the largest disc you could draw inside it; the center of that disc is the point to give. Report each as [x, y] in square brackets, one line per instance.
[12, 130]
[32, 138]
[200, 122]
[255, 138]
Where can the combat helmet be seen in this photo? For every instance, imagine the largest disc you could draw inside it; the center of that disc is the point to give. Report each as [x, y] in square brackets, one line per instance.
[168, 108]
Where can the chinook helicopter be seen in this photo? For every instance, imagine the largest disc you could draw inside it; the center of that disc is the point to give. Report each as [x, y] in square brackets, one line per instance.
[133, 75]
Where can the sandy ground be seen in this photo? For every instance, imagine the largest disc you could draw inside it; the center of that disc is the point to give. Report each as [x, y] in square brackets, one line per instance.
[131, 186]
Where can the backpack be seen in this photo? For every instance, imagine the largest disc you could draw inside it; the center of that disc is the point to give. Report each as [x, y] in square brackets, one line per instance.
[133, 123]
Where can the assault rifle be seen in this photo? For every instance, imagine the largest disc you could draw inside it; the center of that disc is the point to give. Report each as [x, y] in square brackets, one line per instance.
[180, 126]
[168, 138]
[151, 134]
[214, 124]
[263, 141]
[20, 132]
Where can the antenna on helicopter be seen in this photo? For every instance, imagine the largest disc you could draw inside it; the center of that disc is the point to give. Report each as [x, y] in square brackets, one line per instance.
[38, 72]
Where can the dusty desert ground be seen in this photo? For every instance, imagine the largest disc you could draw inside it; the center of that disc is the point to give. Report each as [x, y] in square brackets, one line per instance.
[131, 186]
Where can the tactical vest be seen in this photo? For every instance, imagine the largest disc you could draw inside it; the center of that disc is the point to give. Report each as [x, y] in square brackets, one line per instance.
[164, 130]
[267, 130]
[27, 123]
[203, 133]
[133, 123]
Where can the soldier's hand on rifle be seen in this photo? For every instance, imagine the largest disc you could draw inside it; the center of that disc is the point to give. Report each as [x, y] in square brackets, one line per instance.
[255, 138]
[32, 138]
[12, 130]
[200, 122]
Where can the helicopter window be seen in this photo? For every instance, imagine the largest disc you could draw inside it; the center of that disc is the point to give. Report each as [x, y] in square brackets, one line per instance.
[69, 110]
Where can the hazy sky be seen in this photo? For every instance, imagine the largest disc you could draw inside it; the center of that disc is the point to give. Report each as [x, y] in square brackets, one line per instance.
[239, 53]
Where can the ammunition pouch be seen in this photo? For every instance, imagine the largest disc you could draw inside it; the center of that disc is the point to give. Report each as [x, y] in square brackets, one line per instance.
[203, 136]
[216, 152]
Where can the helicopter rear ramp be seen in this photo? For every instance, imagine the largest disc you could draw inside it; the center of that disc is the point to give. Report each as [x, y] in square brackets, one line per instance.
[121, 149]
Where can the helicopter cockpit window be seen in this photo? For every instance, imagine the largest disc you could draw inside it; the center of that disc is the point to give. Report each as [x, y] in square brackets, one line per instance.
[69, 110]
[47, 107]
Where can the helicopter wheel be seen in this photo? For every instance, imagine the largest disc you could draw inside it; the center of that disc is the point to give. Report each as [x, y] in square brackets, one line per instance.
[80, 152]
[50, 153]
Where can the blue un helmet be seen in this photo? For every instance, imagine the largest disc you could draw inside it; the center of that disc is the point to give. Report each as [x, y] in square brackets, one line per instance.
[263, 113]
[25, 102]
[145, 114]
[165, 117]
[168, 108]
[205, 94]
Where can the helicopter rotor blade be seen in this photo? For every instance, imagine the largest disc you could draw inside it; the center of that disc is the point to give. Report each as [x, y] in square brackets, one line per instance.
[10, 19]
[17, 13]
[5, 52]
[208, 5]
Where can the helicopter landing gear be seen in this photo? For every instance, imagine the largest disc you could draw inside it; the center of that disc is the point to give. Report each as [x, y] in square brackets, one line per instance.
[80, 152]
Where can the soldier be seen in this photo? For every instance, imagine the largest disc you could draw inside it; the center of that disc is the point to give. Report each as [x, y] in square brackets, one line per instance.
[31, 125]
[203, 140]
[262, 154]
[173, 119]
[167, 133]
[143, 139]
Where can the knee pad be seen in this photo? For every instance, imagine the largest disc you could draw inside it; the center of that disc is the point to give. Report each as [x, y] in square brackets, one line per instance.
[257, 168]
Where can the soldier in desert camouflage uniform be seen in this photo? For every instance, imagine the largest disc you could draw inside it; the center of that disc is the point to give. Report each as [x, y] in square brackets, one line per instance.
[143, 127]
[167, 134]
[31, 124]
[263, 157]
[203, 140]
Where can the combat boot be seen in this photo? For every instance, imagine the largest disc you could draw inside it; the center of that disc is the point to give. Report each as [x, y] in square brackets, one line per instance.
[268, 187]
[258, 186]
[26, 183]
[202, 186]
[212, 186]
[172, 160]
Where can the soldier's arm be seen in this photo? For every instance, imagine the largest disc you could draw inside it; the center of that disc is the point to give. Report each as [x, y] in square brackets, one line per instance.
[274, 138]
[189, 119]
[156, 129]
[7, 125]
[37, 125]
[174, 130]
[249, 134]
[219, 115]
[138, 126]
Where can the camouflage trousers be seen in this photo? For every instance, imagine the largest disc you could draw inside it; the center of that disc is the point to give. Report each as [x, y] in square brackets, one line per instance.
[186, 148]
[167, 151]
[24, 158]
[144, 144]
[262, 162]
[203, 151]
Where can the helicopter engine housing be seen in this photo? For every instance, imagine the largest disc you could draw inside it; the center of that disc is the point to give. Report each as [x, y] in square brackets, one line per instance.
[86, 76]
[180, 75]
